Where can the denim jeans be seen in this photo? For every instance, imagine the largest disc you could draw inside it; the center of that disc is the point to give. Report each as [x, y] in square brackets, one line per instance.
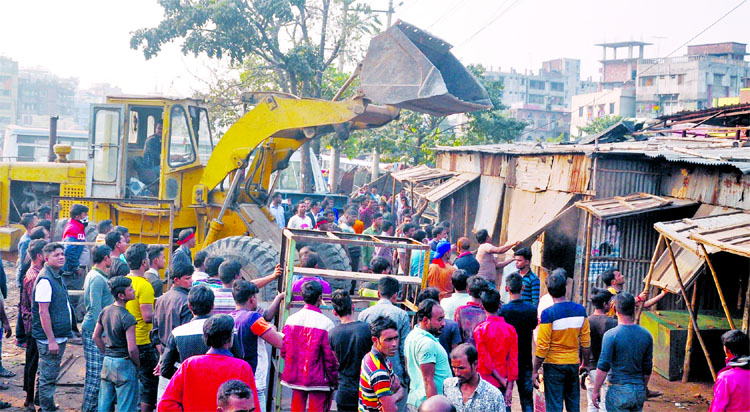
[149, 383]
[119, 383]
[626, 397]
[49, 367]
[561, 385]
[525, 389]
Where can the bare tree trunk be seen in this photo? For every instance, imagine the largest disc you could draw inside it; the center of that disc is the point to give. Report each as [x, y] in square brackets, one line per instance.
[305, 170]
[375, 173]
[333, 173]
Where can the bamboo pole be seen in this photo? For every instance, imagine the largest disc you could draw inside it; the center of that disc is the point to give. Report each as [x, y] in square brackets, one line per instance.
[746, 315]
[691, 312]
[585, 278]
[689, 341]
[718, 287]
[650, 274]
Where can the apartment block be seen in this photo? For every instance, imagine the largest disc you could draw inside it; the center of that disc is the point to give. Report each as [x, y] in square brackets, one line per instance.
[691, 82]
[8, 93]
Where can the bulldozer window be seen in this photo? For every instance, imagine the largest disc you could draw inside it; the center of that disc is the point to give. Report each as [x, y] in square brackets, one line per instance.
[181, 151]
[199, 118]
[106, 145]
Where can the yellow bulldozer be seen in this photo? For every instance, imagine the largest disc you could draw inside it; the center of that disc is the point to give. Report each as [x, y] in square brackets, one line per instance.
[221, 188]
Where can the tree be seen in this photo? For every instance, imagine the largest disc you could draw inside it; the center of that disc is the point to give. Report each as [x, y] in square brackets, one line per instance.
[599, 124]
[295, 40]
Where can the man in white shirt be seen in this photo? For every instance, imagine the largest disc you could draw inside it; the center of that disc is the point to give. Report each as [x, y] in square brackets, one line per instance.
[277, 210]
[300, 220]
[51, 325]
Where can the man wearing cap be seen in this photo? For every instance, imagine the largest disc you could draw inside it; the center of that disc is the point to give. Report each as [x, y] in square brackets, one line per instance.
[182, 255]
[441, 270]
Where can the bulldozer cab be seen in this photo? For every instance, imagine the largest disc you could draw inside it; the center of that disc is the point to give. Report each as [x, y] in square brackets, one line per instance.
[142, 147]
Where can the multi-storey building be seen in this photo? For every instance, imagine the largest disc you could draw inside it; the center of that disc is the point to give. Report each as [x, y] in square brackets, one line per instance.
[691, 82]
[543, 98]
[42, 94]
[8, 93]
[586, 107]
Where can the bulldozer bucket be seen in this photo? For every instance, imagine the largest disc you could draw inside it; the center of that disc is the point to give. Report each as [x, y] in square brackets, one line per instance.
[412, 69]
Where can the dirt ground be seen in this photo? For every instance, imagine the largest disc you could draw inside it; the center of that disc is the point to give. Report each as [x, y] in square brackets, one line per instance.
[691, 397]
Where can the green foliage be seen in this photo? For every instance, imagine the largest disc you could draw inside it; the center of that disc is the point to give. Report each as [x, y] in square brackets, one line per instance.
[296, 40]
[599, 124]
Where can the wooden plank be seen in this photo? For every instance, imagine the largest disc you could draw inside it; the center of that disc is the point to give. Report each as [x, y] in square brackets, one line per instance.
[371, 277]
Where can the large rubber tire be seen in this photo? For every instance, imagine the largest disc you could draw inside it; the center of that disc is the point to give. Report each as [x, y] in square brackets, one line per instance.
[334, 257]
[258, 258]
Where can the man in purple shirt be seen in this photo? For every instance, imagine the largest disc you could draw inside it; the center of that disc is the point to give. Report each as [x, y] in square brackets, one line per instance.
[309, 260]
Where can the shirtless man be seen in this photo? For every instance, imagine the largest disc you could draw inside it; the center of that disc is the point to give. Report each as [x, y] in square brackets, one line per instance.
[488, 264]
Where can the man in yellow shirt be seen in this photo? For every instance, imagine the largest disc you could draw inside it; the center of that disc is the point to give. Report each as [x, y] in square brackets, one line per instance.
[142, 309]
[563, 329]
[613, 281]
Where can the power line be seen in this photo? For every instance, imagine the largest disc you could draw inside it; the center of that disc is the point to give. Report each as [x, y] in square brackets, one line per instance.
[452, 9]
[657, 60]
[492, 20]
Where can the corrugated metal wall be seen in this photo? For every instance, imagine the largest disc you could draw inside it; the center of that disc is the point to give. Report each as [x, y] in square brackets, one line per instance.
[623, 176]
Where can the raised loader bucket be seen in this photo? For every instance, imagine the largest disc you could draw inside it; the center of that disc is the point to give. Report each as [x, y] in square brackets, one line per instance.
[412, 69]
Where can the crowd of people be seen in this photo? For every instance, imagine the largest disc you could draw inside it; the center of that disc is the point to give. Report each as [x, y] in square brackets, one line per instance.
[481, 332]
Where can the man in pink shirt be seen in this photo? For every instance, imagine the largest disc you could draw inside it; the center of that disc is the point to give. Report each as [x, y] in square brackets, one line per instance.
[497, 344]
[731, 390]
[195, 384]
[488, 264]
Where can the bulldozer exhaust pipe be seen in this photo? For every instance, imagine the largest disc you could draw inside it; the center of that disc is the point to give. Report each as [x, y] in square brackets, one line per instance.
[409, 68]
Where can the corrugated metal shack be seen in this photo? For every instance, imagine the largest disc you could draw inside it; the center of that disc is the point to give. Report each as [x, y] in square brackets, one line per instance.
[529, 192]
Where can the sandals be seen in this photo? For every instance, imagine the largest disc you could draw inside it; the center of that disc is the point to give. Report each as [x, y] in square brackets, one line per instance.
[4, 373]
[4, 405]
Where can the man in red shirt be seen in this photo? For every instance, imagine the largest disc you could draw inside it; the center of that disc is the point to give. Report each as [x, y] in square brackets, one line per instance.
[195, 384]
[497, 344]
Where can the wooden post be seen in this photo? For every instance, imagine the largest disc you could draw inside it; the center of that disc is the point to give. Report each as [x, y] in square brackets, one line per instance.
[689, 341]
[413, 201]
[585, 278]
[393, 198]
[466, 211]
[718, 287]
[690, 311]
[654, 257]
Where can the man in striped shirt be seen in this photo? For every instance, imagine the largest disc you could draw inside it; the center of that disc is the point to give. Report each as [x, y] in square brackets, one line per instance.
[379, 388]
[563, 329]
[530, 293]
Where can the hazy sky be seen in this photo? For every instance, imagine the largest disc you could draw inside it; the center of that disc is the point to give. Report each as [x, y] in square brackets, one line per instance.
[90, 39]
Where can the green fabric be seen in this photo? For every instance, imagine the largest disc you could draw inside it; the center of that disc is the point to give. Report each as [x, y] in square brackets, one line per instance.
[367, 252]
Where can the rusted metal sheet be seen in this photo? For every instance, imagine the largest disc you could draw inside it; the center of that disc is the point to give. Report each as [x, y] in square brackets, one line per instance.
[570, 173]
[493, 165]
[533, 173]
[619, 206]
[449, 187]
[709, 185]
